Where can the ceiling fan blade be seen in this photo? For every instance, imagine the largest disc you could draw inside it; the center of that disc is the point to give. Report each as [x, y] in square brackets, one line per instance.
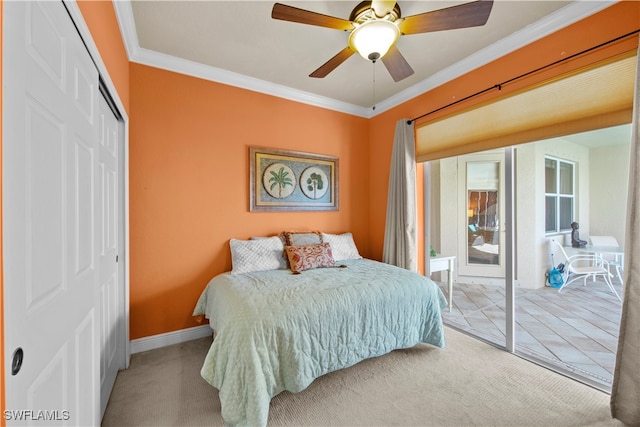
[333, 63]
[397, 66]
[465, 15]
[382, 7]
[293, 14]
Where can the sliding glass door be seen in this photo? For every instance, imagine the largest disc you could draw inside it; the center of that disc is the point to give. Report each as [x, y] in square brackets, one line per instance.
[579, 179]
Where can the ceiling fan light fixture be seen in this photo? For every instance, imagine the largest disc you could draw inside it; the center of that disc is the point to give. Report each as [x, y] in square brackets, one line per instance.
[373, 39]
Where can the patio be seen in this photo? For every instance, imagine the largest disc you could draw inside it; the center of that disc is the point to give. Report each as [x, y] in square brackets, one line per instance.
[574, 332]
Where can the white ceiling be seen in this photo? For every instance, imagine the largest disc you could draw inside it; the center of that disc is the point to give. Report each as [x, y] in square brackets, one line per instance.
[237, 43]
[615, 135]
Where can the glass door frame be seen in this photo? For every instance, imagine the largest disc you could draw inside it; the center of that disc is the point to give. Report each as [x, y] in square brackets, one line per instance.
[509, 247]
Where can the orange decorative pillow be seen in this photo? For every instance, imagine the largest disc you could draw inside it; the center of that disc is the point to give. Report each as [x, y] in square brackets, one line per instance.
[311, 256]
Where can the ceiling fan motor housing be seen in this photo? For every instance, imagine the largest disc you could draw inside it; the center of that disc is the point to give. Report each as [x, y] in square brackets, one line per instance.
[373, 36]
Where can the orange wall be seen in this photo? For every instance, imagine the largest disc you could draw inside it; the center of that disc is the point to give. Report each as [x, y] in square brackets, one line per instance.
[615, 21]
[189, 184]
[100, 17]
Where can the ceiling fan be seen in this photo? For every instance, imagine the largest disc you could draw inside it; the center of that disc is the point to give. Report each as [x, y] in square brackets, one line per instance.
[375, 27]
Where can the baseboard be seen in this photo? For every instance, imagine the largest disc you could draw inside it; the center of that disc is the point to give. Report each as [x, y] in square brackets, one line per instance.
[170, 338]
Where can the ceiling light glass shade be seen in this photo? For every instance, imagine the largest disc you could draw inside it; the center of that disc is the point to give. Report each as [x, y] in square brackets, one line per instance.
[373, 39]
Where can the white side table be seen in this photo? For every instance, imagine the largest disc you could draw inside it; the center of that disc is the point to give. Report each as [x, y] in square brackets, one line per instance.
[441, 263]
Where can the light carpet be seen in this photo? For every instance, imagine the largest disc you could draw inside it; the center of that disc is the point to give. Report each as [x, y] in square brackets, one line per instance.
[469, 383]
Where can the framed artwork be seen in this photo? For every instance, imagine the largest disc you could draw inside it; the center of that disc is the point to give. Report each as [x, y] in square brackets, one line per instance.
[282, 180]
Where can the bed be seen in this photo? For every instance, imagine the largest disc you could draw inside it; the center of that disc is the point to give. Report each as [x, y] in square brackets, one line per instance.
[278, 331]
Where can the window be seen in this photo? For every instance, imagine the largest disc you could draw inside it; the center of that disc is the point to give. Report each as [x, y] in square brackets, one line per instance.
[559, 194]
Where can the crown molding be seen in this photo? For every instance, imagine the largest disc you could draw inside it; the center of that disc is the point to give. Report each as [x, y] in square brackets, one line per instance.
[218, 75]
[562, 18]
[124, 15]
[136, 54]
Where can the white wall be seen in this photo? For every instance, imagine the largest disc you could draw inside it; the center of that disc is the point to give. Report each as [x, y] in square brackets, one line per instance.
[531, 250]
[534, 250]
[434, 214]
[444, 208]
[608, 189]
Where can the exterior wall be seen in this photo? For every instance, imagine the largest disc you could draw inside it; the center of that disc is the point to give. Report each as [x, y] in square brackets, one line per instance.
[609, 183]
[189, 184]
[536, 265]
[448, 204]
[529, 217]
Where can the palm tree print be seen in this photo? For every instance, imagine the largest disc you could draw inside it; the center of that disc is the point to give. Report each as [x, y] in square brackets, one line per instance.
[281, 180]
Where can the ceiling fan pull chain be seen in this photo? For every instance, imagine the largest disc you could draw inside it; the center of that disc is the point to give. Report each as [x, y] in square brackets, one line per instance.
[374, 84]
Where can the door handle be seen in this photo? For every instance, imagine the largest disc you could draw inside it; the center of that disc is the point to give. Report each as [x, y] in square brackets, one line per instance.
[16, 361]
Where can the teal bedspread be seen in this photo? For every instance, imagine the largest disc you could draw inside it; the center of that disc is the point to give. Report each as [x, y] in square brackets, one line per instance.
[277, 331]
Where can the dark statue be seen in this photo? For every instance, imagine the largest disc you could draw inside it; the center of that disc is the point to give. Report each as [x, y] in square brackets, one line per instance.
[575, 236]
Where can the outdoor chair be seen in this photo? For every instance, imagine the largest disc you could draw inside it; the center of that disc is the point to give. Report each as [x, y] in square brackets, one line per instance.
[584, 266]
[615, 260]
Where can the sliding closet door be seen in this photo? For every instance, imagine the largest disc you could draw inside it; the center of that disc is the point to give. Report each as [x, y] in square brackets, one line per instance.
[112, 351]
[50, 167]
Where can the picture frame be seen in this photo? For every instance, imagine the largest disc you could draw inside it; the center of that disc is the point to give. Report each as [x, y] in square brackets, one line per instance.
[283, 180]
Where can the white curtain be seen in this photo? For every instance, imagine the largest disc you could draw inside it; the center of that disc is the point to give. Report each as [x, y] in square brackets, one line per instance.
[401, 235]
[625, 393]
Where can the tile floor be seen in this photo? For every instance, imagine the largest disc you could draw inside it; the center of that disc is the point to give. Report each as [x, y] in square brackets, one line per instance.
[575, 331]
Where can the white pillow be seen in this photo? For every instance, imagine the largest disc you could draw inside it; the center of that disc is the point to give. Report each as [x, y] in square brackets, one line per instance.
[342, 246]
[256, 255]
